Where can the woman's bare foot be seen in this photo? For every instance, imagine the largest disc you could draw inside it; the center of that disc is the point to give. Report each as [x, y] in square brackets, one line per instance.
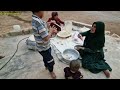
[107, 74]
[53, 75]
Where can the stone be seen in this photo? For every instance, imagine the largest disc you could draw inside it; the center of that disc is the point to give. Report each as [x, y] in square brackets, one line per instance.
[107, 32]
[25, 32]
[15, 33]
[115, 35]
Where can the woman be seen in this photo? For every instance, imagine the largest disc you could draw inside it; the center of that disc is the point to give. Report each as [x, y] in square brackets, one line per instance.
[55, 20]
[92, 51]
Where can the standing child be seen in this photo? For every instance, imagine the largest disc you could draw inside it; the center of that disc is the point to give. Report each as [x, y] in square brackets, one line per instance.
[55, 20]
[42, 38]
[73, 72]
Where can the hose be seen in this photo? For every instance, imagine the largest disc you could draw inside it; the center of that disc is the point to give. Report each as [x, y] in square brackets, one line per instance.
[13, 54]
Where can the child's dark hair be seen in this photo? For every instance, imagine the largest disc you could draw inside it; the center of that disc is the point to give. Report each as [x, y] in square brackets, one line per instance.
[74, 65]
[54, 14]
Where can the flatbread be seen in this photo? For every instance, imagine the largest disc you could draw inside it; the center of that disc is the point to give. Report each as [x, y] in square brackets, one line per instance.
[64, 33]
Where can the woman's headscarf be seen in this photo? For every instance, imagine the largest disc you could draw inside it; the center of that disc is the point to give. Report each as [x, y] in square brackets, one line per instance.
[95, 41]
[100, 28]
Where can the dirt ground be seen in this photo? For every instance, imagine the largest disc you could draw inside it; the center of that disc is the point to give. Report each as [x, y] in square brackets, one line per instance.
[28, 64]
[111, 19]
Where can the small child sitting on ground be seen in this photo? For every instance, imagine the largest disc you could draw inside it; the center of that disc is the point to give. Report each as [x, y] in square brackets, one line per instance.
[73, 72]
[55, 20]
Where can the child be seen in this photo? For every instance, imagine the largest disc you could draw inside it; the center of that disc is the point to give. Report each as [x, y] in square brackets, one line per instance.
[42, 38]
[54, 19]
[73, 72]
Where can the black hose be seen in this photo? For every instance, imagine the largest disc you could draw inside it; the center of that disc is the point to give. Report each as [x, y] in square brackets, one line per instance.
[13, 54]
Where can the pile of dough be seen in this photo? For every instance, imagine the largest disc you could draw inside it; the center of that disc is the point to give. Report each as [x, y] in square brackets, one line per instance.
[64, 33]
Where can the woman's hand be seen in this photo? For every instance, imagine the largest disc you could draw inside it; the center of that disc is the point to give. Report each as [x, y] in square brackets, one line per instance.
[78, 48]
[80, 36]
[82, 48]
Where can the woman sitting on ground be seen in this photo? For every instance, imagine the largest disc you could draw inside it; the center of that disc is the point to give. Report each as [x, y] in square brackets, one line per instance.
[92, 51]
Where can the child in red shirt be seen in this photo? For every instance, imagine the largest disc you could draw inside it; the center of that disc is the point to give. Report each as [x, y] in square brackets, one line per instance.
[54, 19]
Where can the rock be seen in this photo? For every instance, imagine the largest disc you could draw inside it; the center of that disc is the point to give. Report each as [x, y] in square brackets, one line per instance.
[115, 35]
[3, 35]
[15, 33]
[107, 32]
[27, 31]
[31, 31]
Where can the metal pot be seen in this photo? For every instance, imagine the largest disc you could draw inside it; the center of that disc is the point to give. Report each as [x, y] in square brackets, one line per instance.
[70, 54]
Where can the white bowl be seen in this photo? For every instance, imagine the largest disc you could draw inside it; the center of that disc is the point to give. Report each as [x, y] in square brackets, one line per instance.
[70, 54]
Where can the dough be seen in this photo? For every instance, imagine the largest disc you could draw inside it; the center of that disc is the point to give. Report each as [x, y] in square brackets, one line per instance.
[64, 33]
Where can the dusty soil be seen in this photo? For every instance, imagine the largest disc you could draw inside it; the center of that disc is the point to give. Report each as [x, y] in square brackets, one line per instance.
[111, 19]
[28, 64]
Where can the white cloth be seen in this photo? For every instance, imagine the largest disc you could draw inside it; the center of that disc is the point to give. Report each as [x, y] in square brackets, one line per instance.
[68, 43]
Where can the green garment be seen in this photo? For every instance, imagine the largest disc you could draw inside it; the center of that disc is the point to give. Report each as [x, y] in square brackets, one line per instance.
[93, 55]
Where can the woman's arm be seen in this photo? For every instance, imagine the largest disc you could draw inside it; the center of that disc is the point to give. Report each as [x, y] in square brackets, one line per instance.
[86, 50]
[80, 35]
[84, 33]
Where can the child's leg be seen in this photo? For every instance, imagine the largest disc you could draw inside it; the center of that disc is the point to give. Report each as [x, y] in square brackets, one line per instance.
[44, 59]
[48, 61]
